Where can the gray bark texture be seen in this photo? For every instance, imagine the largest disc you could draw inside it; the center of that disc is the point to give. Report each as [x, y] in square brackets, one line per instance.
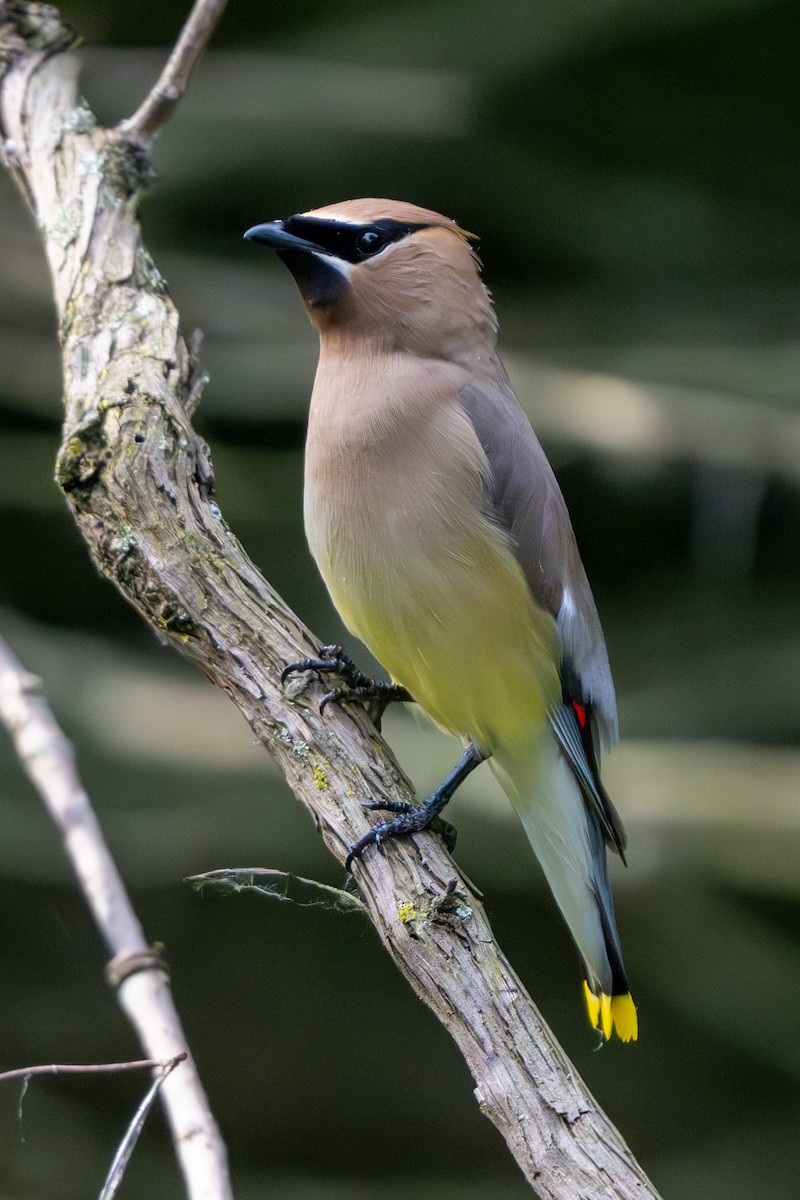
[140, 483]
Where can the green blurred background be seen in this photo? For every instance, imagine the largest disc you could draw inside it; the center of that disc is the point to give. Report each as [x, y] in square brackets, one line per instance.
[633, 169]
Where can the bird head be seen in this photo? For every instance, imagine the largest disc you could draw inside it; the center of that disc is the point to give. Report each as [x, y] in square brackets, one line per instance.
[388, 272]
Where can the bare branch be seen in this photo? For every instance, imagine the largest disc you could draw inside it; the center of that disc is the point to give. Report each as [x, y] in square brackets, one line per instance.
[142, 982]
[139, 481]
[126, 1147]
[279, 885]
[146, 122]
[139, 1064]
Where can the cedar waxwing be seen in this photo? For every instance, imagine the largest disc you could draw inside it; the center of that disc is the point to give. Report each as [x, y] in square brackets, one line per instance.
[445, 543]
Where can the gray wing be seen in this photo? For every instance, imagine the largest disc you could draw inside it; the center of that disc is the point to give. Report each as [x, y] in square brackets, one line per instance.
[527, 501]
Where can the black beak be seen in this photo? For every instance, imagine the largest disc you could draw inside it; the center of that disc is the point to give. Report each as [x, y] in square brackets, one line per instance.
[275, 236]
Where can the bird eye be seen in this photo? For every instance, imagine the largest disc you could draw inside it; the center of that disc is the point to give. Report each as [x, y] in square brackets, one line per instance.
[368, 242]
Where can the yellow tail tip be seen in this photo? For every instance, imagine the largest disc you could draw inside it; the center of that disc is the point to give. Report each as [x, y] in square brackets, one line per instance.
[612, 1014]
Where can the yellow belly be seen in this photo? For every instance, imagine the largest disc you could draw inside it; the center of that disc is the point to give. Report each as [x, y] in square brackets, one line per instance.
[459, 629]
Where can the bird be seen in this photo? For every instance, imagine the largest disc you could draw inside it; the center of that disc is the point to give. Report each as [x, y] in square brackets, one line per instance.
[445, 543]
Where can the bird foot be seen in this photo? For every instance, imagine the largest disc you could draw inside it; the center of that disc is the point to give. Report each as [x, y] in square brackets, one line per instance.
[411, 818]
[374, 694]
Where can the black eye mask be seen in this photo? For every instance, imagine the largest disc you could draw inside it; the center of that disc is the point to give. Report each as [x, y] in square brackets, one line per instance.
[351, 243]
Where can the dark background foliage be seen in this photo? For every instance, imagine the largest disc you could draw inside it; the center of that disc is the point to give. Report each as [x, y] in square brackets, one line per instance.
[634, 173]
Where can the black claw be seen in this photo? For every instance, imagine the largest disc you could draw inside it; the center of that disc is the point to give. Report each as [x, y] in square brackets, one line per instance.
[412, 818]
[359, 846]
[331, 660]
[307, 664]
[374, 694]
[447, 832]
[395, 806]
[335, 696]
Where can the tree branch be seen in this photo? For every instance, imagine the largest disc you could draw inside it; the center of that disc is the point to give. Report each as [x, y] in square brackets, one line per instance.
[140, 482]
[119, 1166]
[140, 978]
[139, 1064]
[158, 106]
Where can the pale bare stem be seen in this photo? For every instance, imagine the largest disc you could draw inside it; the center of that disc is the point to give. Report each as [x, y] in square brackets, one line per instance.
[121, 1159]
[158, 106]
[139, 1064]
[139, 975]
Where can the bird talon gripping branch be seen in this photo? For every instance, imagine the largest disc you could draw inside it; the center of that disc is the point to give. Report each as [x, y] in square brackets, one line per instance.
[303, 664]
[395, 806]
[453, 533]
[335, 696]
[411, 820]
[373, 694]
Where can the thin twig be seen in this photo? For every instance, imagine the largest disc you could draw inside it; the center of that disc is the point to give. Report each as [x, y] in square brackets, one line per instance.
[279, 885]
[139, 1064]
[126, 1147]
[157, 107]
[142, 984]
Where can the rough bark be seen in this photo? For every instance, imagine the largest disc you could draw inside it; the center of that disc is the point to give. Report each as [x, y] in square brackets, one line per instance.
[140, 484]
